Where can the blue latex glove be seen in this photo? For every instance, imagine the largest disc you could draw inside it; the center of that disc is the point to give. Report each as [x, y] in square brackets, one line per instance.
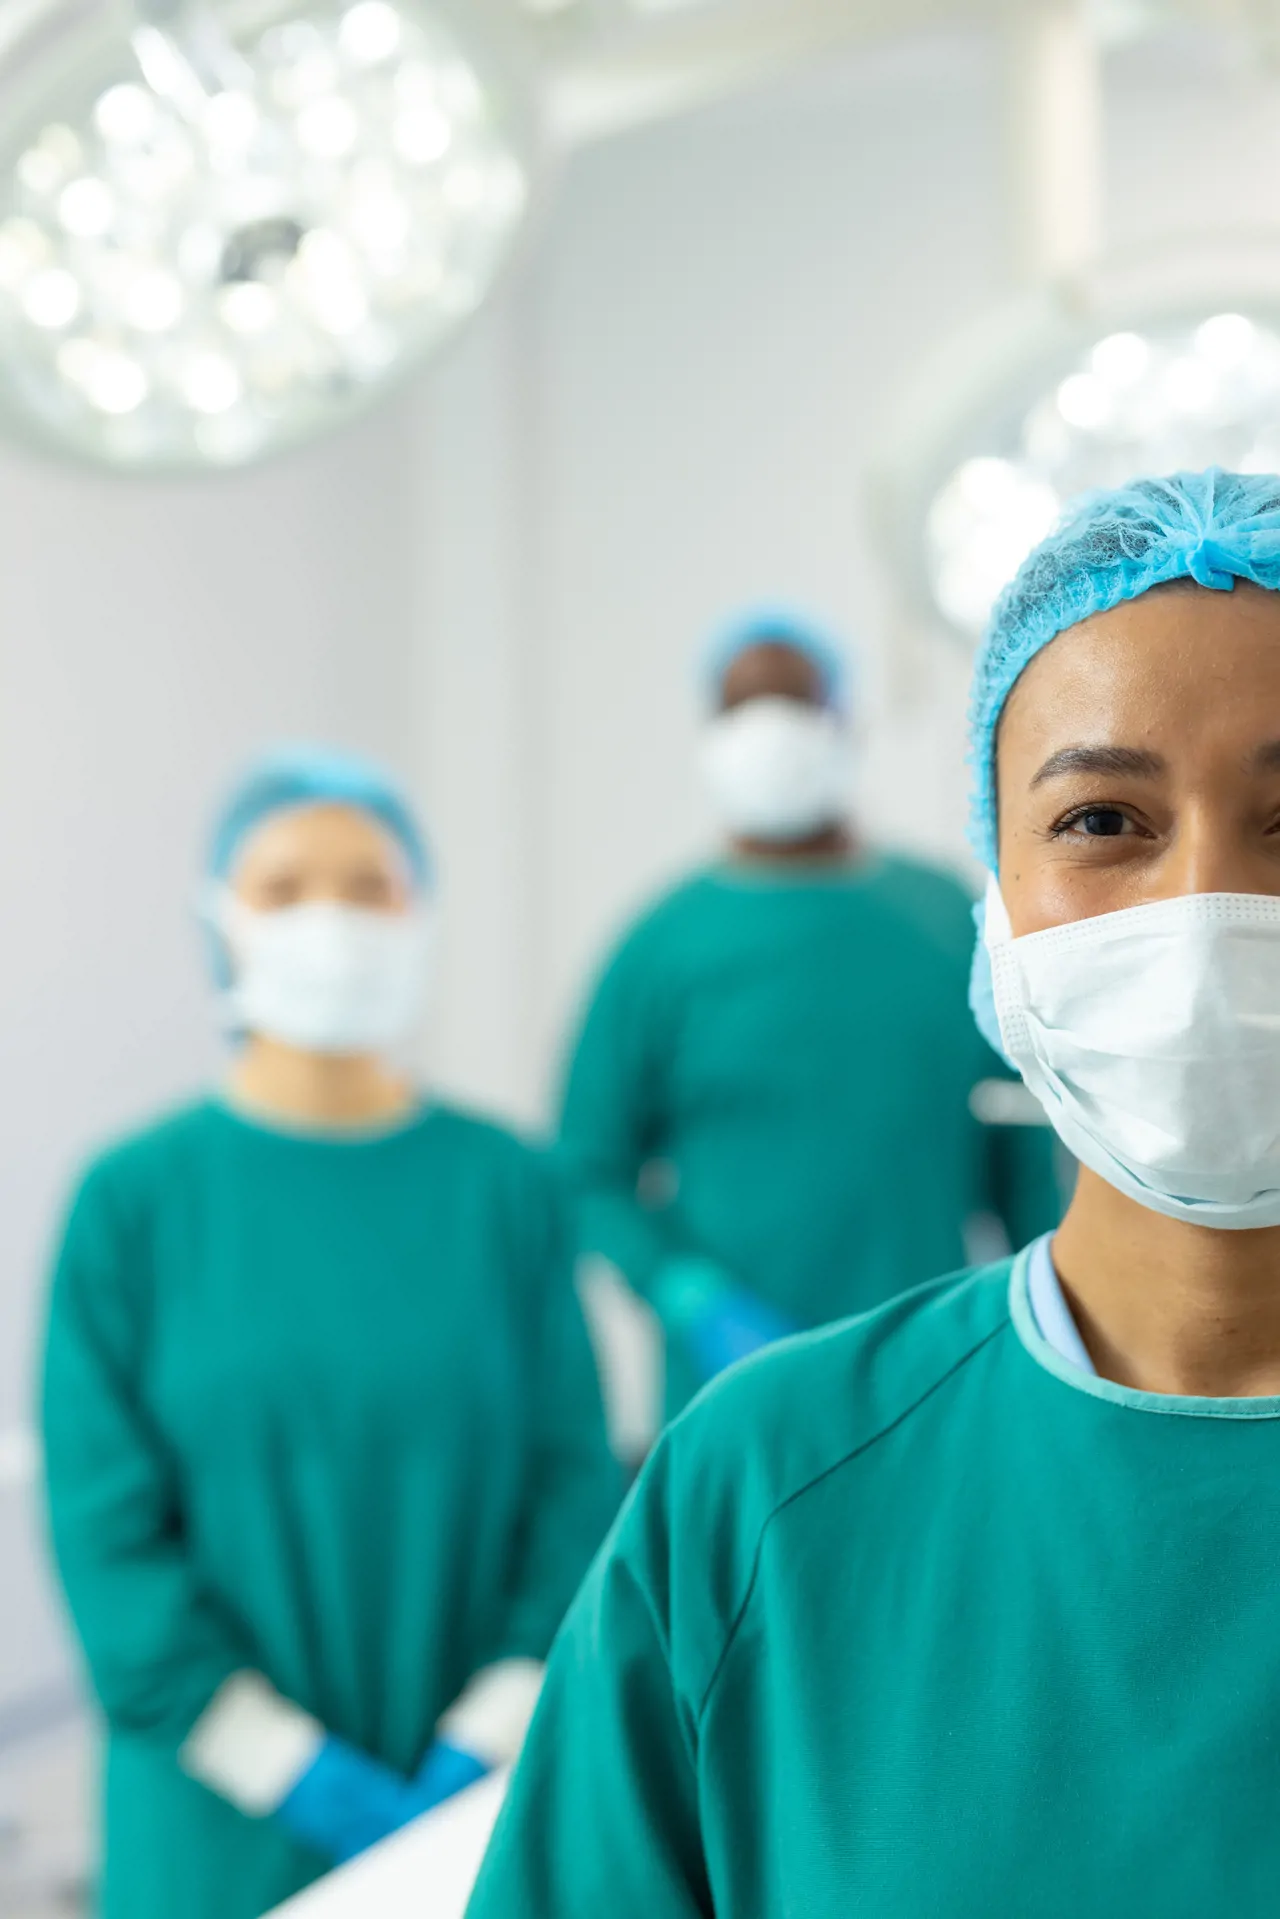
[446, 1770]
[346, 1802]
[719, 1321]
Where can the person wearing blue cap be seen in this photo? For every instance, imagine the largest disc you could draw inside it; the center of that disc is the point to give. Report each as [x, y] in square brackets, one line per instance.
[325, 1451]
[970, 1606]
[781, 1047]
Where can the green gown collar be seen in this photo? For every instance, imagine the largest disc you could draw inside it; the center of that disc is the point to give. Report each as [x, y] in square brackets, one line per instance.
[799, 876]
[257, 1120]
[1186, 1406]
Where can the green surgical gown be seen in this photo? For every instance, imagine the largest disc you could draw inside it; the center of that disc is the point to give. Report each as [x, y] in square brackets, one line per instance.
[775, 1073]
[323, 1408]
[909, 1620]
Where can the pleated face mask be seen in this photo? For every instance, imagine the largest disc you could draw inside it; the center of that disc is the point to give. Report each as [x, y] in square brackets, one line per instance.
[776, 769]
[1151, 1037]
[325, 977]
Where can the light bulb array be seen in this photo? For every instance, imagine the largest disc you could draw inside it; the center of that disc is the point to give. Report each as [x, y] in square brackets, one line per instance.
[192, 277]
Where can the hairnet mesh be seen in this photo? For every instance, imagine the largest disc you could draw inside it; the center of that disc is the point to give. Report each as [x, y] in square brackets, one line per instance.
[779, 626]
[1211, 527]
[314, 776]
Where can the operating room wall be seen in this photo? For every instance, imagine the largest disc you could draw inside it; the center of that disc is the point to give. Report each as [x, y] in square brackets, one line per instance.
[669, 416]
[151, 637]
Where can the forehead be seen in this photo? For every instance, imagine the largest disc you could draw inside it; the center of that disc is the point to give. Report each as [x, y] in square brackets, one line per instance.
[1181, 665]
[773, 663]
[319, 833]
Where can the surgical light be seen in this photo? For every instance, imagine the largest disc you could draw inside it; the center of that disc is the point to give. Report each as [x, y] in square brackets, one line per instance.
[220, 244]
[1187, 393]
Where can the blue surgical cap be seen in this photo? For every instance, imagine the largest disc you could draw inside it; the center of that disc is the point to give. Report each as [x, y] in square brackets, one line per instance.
[314, 776]
[1214, 528]
[780, 626]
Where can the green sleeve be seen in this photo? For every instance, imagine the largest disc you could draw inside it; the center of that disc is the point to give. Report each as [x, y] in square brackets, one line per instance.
[602, 1815]
[574, 1483]
[612, 1114]
[157, 1646]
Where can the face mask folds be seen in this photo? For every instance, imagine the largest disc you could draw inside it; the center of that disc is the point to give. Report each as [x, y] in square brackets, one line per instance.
[324, 976]
[1151, 1037]
[776, 769]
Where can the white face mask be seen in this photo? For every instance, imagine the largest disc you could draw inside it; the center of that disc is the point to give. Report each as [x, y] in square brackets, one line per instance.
[326, 977]
[1151, 1037]
[777, 769]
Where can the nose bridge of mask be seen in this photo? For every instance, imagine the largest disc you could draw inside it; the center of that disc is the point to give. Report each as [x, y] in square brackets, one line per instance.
[1034, 980]
[778, 720]
[327, 936]
[326, 928]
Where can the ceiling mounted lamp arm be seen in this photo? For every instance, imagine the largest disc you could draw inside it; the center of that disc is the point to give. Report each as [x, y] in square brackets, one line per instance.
[1055, 159]
[186, 55]
[657, 63]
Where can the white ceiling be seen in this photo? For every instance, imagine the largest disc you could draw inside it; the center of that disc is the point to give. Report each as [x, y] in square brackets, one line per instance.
[603, 65]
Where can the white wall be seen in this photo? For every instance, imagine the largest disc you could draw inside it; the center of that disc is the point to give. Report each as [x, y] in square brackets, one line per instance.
[671, 416]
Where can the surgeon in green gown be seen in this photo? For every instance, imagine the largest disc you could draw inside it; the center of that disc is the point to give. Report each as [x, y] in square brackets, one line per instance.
[325, 1451]
[778, 1110]
[971, 1607]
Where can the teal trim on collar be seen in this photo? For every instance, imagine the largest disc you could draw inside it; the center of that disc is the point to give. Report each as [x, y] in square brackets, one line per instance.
[1183, 1405]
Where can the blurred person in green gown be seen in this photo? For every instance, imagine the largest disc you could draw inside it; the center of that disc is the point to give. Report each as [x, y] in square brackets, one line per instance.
[778, 1107]
[325, 1452]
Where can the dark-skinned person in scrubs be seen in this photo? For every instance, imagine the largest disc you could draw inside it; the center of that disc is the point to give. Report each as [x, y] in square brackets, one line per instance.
[777, 1109]
[325, 1450]
[970, 1606]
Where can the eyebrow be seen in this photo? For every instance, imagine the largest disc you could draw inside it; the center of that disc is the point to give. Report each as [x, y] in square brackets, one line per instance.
[1131, 762]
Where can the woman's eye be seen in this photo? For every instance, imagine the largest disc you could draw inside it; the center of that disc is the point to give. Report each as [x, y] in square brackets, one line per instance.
[1097, 823]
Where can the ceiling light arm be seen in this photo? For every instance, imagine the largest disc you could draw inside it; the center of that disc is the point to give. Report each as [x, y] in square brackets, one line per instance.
[1055, 159]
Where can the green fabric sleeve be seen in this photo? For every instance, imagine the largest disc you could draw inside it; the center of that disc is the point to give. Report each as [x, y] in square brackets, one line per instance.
[602, 1815]
[574, 1481]
[157, 1646]
[610, 1121]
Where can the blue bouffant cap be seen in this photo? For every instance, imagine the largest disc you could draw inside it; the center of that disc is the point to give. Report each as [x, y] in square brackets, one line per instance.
[782, 626]
[314, 776]
[1214, 528]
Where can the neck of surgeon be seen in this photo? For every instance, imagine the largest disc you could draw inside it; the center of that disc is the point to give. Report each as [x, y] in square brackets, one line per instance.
[1165, 1306]
[318, 1089]
[836, 844]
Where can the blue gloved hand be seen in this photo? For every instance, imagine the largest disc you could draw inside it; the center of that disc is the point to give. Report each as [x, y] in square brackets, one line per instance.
[719, 1321]
[446, 1770]
[346, 1802]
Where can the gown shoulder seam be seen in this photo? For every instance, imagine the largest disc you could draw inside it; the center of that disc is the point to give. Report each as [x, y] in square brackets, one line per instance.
[837, 1465]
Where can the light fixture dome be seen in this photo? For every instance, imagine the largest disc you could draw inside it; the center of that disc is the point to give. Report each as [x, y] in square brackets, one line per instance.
[1203, 391]
[218, 238]
[1157, 361]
